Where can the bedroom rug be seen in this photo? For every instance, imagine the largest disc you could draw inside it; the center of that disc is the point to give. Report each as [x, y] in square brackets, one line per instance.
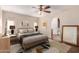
[55, 47]
[15, 48]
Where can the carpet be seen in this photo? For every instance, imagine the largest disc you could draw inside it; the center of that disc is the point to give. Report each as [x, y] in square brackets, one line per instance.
[55, 47]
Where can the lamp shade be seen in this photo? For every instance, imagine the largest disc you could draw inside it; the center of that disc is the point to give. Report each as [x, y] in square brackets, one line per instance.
[35, 24]
[12, 27]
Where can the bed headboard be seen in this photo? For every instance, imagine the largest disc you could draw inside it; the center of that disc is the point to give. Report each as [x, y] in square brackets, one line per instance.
[24, 30]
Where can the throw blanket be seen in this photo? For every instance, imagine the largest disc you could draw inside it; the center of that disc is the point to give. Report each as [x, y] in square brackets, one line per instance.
[23, 35]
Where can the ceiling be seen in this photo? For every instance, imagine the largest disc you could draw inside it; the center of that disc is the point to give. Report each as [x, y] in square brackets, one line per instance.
[29, 10]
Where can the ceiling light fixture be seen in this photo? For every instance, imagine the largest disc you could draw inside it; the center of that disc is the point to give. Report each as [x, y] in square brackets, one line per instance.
[43, 8]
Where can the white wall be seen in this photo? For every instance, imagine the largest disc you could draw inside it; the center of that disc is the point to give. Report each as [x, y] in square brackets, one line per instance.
[45, 30]
[0, 20]
[69, 16]
[18, 19]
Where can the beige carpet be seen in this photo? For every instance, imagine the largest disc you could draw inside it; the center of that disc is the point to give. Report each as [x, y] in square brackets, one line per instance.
[62, 47]
[55, 47]
[15, 48]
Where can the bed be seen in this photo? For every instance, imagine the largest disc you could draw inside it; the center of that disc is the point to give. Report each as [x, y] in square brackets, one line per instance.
[29, 38]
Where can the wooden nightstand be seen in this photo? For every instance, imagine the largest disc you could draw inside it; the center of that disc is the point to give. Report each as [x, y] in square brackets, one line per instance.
[5, 44]
[13, 39]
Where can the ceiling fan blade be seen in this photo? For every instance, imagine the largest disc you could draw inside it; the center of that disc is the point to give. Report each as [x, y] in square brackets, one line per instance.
[46, 7]
[47, 11]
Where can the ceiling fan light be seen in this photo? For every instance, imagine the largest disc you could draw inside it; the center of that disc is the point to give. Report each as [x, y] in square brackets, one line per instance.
[40, 12]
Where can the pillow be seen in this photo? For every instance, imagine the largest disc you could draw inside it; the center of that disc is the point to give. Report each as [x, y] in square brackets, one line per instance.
[30, 30]
[22, 30]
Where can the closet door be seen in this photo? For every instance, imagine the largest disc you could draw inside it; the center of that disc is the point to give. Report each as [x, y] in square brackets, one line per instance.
[70, 35]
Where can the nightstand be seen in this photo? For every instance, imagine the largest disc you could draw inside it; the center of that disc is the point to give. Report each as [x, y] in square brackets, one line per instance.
[4, 44]
[13, 39]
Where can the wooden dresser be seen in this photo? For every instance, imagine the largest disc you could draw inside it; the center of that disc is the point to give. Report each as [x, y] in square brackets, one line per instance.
[4, 44]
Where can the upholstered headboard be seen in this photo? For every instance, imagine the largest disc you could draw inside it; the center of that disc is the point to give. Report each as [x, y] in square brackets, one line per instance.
[25, 30]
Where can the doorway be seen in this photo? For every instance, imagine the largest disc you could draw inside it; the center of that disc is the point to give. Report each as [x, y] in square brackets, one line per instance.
[55, 27]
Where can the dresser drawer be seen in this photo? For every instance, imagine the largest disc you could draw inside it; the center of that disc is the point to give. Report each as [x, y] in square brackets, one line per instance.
[5, 44]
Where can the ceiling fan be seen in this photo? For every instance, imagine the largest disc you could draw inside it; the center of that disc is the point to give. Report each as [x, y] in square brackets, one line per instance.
[43, 8]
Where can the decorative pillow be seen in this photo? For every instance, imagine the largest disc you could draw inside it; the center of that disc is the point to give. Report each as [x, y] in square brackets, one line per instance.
[22, 30]
[30, 30]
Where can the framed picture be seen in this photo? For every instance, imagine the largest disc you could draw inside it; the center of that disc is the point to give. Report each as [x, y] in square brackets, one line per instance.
[44, 24]
[25, 23]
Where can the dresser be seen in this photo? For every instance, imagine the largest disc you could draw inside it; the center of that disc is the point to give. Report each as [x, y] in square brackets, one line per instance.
[5, 44]
[13, 39]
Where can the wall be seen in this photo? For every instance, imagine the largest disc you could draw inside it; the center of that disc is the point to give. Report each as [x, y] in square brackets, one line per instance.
[45, 30]
[18, 19]
[67, 17]
[71, 17]
[0, 20]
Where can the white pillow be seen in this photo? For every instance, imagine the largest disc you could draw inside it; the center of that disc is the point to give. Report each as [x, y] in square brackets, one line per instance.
[22, 30]
[30, 30]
